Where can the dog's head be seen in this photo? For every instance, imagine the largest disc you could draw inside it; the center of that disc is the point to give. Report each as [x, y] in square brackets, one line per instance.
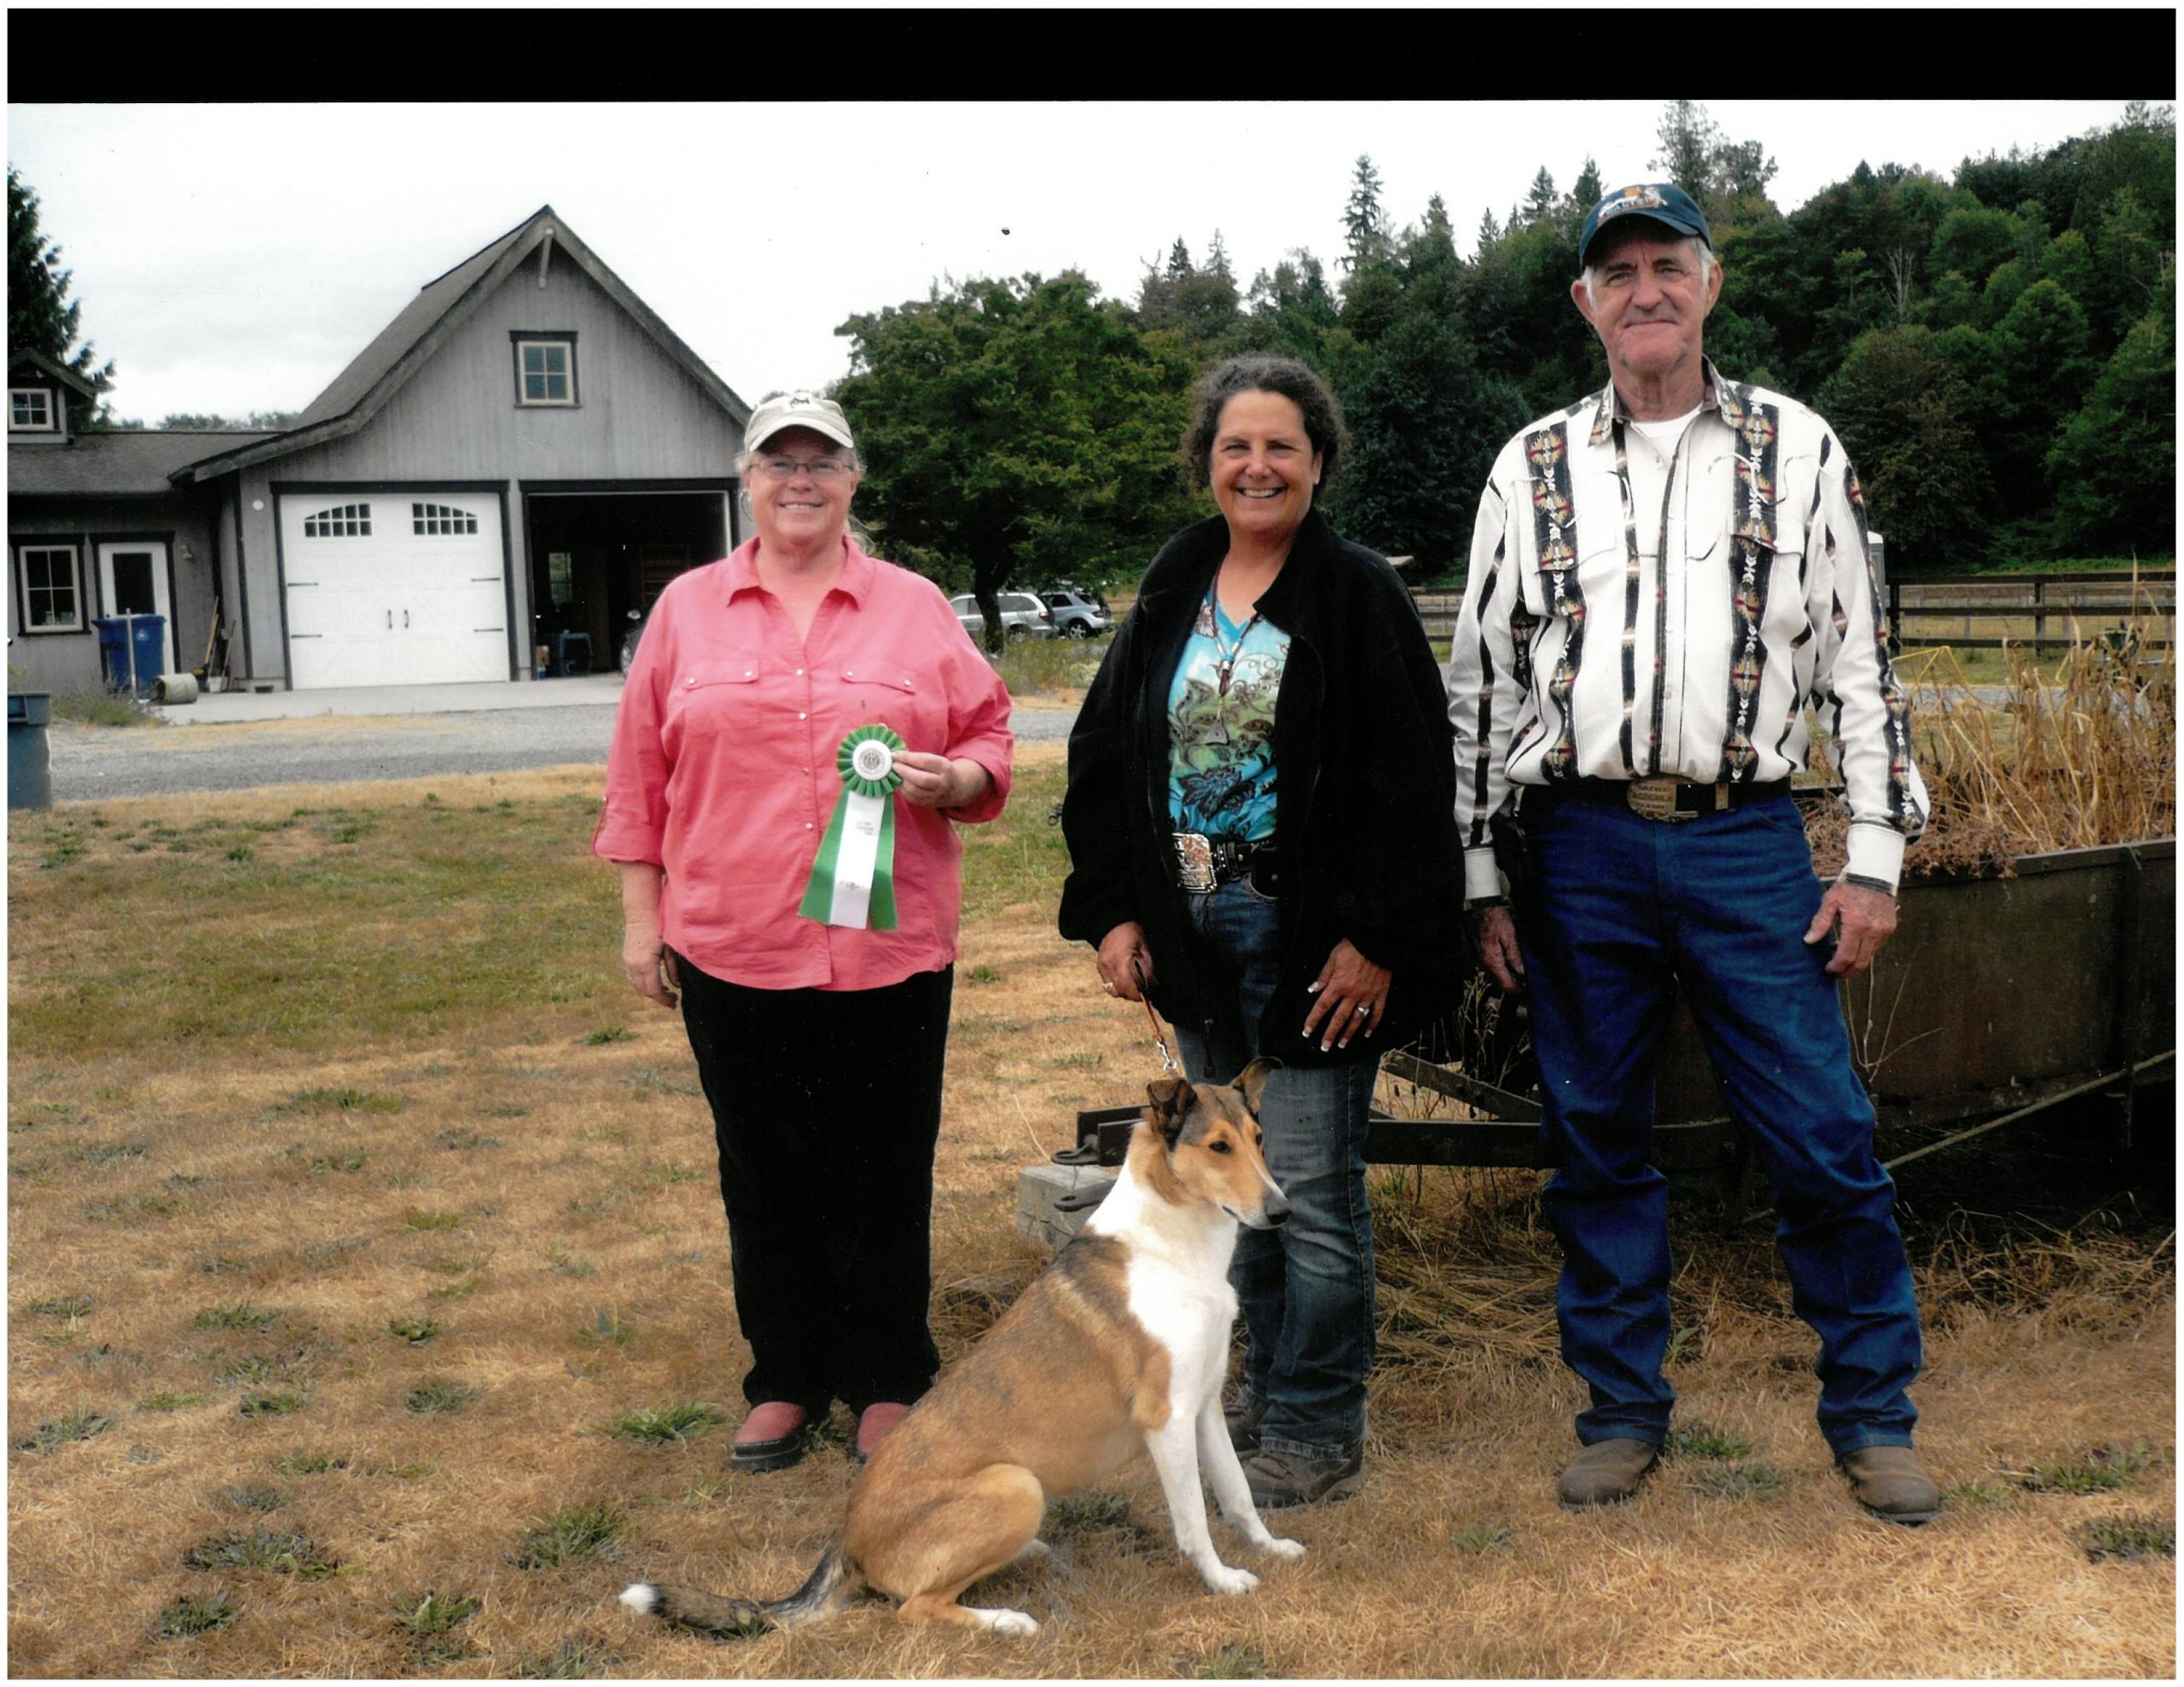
[1211, 1147]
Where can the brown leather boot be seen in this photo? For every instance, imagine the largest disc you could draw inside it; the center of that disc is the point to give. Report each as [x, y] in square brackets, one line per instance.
[1891, 1482]
[1606, 1473]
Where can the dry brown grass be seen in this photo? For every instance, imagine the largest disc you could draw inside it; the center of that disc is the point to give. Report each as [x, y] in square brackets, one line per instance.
[2081, 750]
[547, 1202]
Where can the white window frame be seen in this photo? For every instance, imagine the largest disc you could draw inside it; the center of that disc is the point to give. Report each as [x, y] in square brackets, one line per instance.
[24, 549]
[568, 351]
[45, 397]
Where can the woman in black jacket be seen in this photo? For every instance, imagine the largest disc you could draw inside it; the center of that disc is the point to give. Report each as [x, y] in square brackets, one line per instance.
[1260, 820]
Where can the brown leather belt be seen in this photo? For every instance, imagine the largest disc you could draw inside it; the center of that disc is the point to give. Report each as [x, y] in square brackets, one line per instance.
[1661, 799]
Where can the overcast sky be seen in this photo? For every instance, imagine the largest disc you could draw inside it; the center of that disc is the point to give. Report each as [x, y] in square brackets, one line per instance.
[232, 258]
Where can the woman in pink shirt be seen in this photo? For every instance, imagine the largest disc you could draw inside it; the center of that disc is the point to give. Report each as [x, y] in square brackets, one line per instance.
[813, 974]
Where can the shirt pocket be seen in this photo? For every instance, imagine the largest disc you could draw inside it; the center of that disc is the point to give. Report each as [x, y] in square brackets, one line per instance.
[906, 702]
[711, 701]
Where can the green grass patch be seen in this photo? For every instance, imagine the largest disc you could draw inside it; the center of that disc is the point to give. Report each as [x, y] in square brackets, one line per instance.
[1977, 1495]
[1703, 1440]
[571, 1660]
[607, 1329]
[429, 1615]
[166, 1400]
[454, 1291]
[251, 1496]
[412, 1330]
[311, 1464]
[61, 1306]
[188, 1616]
[1483, 1538]
[351, 1162]
[1738, 1481]
[460, 1138]
[562, 1263]
[100, 708]
[294, 1555]
[1230, 1663]
[438, 1395]
[2130, 1536]
[77, 1426]
[577, 1536]
[271, 1403]
[417, 1219]
[1091, 1512]
[685, 1421]
[235, 1315]
[340, 1101]
[2099, 1469]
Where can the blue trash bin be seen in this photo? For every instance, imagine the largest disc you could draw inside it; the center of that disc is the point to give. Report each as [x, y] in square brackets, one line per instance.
[30, 758]
[134, 648]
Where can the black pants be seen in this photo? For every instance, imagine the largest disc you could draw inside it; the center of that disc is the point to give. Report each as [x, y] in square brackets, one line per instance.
[826, 1107]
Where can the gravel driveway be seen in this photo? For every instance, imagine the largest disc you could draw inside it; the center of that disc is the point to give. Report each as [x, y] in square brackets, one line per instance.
[162, 759]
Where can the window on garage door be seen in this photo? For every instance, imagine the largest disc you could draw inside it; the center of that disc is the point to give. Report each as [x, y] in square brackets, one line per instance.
[431, 520]
[343, 521]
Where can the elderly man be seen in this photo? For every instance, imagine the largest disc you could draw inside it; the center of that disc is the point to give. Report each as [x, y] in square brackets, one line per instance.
[1662, 577]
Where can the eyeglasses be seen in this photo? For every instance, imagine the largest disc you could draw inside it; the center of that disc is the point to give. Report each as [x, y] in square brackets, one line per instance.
[788, 468]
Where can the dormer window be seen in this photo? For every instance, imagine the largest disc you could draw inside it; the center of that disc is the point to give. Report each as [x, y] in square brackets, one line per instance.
[545, 368]
[31, 410]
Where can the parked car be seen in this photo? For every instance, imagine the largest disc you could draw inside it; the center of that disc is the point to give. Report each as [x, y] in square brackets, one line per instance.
[1022, 616]
[1078, 614]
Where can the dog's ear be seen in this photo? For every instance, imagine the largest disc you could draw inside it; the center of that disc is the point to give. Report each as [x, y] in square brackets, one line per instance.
[1252, 1081]
[1172, 1100]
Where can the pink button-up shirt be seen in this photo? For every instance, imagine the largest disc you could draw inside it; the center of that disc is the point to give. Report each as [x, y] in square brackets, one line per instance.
[723, 769]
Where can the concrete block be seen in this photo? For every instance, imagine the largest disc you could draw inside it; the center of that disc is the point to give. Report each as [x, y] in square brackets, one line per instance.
[1038, 1189]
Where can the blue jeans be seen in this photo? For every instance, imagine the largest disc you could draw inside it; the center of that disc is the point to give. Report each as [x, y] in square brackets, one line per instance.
[1307, 1288]
[1627, 907]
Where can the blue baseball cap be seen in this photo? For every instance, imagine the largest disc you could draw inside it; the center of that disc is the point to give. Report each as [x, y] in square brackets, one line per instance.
[1662, 202]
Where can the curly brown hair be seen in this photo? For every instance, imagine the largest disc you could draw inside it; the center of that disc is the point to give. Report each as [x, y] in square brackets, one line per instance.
[1265, 372]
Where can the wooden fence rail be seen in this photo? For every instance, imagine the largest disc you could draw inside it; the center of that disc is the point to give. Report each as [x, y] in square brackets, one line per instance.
[1987, 612]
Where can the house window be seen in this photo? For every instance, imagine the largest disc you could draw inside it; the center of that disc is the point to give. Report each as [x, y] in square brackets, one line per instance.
[30, 410]
[546, 371]
[439, 519]
[52, 600]
[344, 521]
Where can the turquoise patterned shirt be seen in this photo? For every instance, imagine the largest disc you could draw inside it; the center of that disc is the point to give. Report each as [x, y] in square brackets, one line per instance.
[1220, 748]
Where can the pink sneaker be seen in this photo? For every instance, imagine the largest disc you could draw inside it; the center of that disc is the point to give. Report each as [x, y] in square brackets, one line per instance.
[875, 1423]
[771, 1439]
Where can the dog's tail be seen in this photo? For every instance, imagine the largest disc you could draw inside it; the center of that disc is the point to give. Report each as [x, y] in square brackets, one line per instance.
[831, 1585]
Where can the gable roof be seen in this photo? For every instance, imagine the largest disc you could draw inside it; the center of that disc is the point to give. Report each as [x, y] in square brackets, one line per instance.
[60, 371]
[132, 460]
[441, 306]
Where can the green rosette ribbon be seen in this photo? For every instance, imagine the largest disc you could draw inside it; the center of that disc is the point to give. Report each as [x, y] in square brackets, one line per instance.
[853, 879]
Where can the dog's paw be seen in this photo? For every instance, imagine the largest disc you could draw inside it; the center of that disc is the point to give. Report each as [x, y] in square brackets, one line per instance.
[1015, 1624]
[1225, 1579]
[1283, 1549]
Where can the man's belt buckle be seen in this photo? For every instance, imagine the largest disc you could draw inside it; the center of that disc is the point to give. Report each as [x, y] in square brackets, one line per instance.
[1654, 798]
[1195, 862]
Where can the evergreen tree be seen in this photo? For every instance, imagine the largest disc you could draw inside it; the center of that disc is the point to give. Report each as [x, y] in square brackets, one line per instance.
[1364, 222]
[41, 316]
[1540, 202]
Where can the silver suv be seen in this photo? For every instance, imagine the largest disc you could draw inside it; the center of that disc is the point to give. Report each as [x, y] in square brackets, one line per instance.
[1022, 616]
[1078, 615]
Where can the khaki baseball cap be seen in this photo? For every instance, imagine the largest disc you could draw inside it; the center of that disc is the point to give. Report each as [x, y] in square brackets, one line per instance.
[797, 409]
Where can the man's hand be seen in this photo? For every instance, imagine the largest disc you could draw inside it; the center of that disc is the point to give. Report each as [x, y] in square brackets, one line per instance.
[1125, 964]
[1493, 934]
[1863, 919]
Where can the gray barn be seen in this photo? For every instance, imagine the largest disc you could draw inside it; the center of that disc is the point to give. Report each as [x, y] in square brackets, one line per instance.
[526, 454]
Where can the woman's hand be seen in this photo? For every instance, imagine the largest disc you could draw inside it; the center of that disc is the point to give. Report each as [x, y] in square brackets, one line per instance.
[1349, 996]
[1125, 964]
[649, 964]
[933, 781]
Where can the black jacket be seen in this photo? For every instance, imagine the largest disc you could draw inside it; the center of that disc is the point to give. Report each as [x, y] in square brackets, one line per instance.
[1364, 821]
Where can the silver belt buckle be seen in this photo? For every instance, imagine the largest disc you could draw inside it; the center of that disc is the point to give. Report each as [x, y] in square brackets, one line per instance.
[1195, 862]
[1654, 798]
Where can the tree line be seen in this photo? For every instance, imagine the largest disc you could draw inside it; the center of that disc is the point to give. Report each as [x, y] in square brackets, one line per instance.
[1996, 351]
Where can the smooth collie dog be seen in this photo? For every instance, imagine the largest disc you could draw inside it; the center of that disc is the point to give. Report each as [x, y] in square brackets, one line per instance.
[1123, 1341]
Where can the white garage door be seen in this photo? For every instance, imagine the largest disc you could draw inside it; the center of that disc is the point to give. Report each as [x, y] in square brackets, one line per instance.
[394, 588]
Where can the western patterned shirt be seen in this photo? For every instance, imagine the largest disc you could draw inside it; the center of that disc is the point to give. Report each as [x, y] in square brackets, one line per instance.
[1619, 625]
